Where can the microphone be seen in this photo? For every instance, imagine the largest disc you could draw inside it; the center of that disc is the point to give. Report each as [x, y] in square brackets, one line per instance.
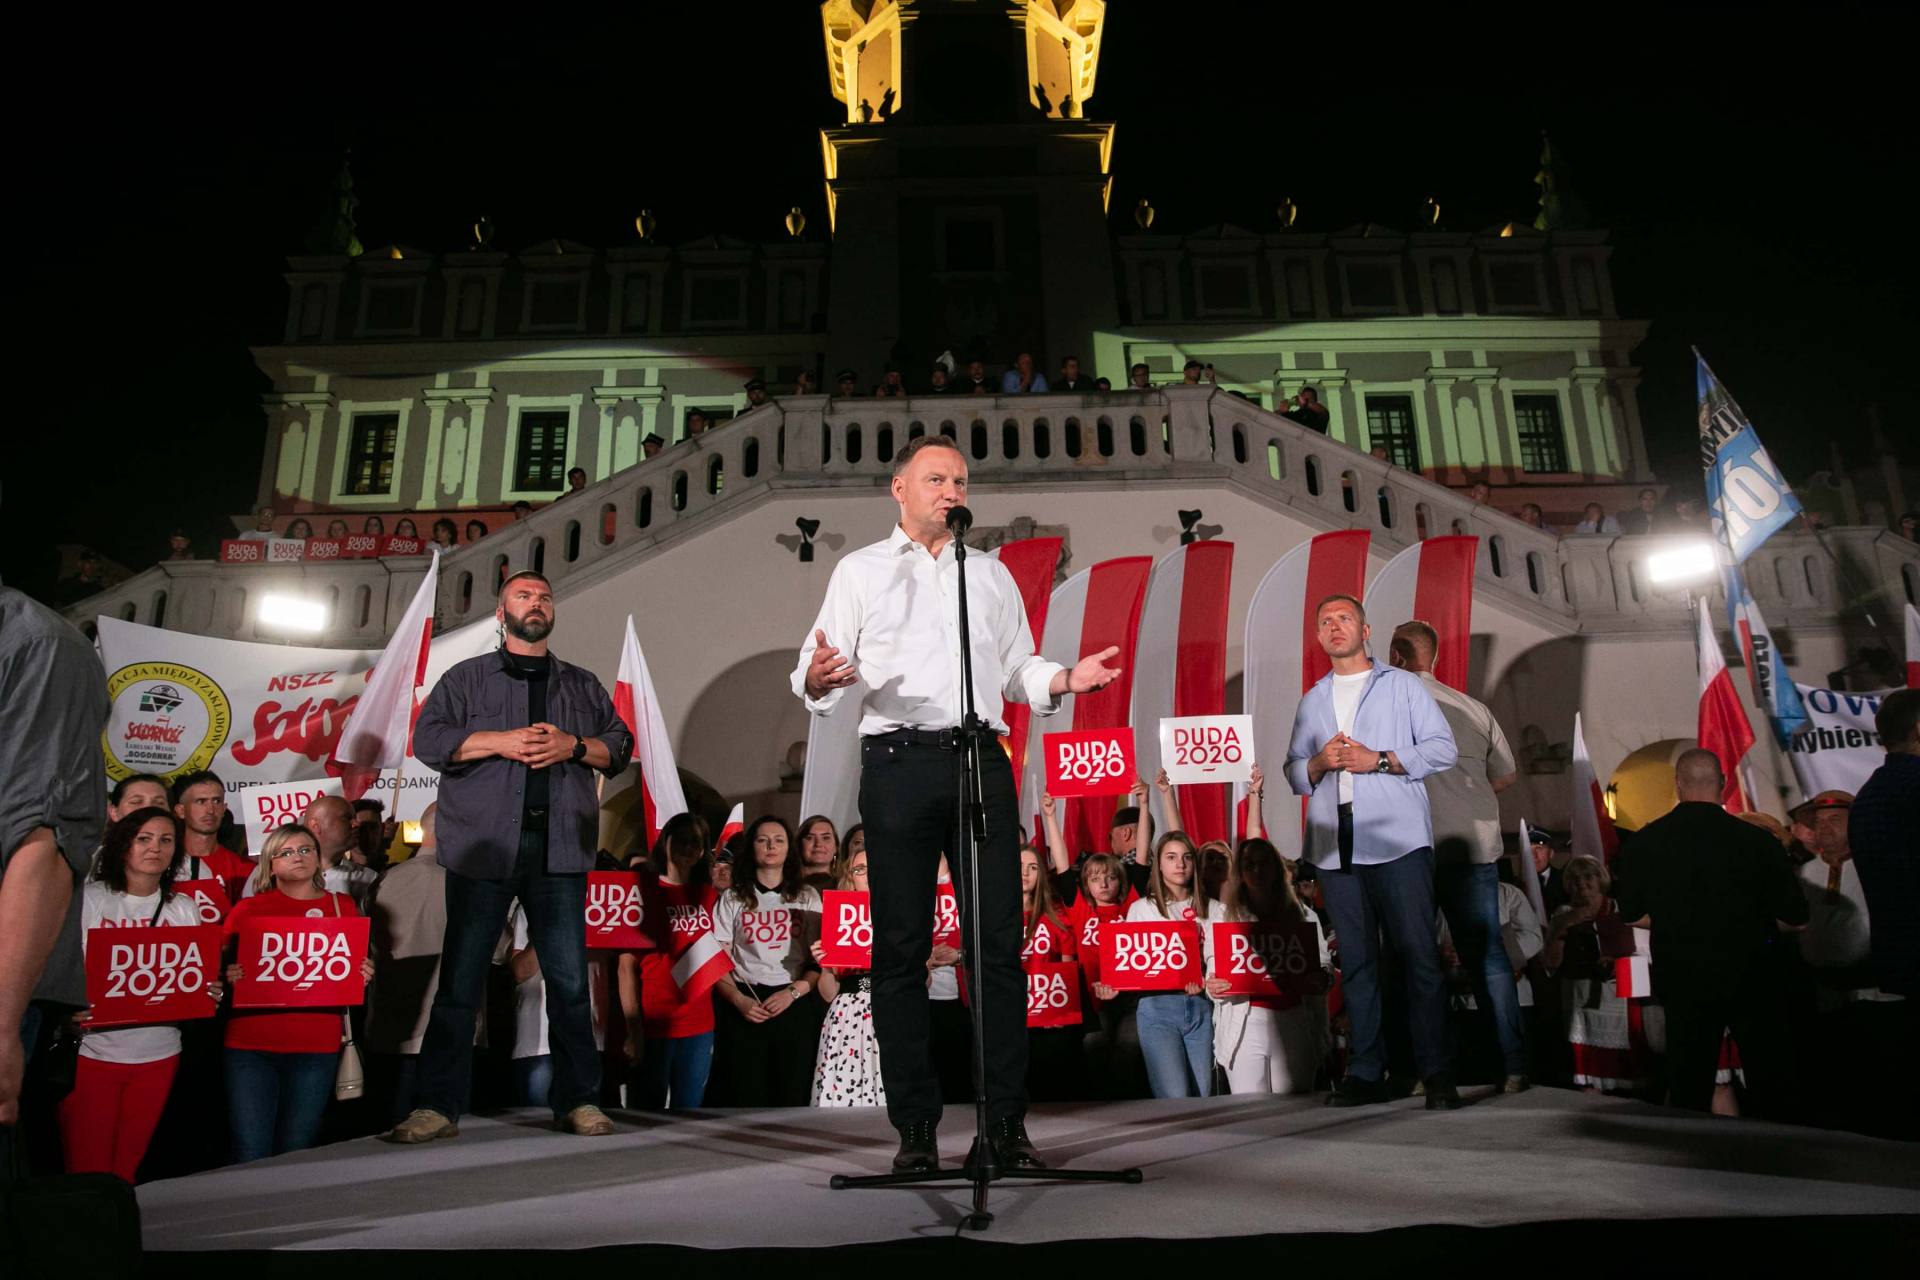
[959, 520]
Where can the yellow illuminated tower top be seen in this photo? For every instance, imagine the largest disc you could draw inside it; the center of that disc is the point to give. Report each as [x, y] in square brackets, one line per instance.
[864, 39]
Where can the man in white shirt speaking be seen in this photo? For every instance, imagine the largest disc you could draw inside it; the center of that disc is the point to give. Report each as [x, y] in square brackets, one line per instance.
[890, 623]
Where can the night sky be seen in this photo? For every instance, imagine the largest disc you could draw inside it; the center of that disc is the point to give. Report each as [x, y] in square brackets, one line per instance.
[1749, 170]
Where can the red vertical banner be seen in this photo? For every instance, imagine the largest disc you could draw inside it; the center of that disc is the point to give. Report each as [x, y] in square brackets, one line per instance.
[1116, 589]
[1443, 598]
[1200, 672]
[1032, 562]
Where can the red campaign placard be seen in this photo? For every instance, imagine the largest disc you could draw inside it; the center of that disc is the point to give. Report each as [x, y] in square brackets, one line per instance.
[209, 899]
[946, 917]
[360, 546]
[243, 551]
[301, 962]
[324, 549]
[281, 550]
[613, 912]
[846, 929]
[1090, 762]
[138, 975]
[1053, 993]
[1090, 928]
[1149, 955]
[1279, 959]
[394, 546]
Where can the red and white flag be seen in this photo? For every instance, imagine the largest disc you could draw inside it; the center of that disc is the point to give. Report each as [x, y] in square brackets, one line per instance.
[634, 701]
[1032, 563]
[700, 963]
[1431, 581]
[1284, 658]
[379, 731]
[1091, 611]
[1593, 833]
[1723, 728]
[1913, 647]
[1181, 666]
[736, 823]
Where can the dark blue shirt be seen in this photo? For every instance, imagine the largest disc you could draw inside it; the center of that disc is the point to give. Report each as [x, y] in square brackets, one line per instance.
[1883, 830]
[482, 802]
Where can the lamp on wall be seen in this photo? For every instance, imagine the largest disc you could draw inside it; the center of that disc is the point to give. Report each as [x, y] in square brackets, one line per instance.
[807, 529]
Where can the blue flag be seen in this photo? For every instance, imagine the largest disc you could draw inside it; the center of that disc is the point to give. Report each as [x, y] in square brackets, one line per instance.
[1746, 495]
[1774, 691]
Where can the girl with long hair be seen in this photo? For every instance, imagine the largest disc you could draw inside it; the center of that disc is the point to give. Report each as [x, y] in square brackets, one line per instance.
[846, 1072]
[280, 1064]
[819, 852]
[1053, 1053]
[1176, 1027]
[123, 1076]
[767, 1032]
[669, 1033]
[1269, 1044]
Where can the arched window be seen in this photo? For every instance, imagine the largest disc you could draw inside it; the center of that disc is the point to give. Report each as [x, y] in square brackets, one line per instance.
[1497, 555]
[609, 524]
[572, 541]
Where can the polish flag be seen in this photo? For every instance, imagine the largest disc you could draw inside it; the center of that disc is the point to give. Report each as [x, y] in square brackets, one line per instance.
[1913, 647]
[1284, 658]
[1723, 726]
[1093, 610]
[1431, 581]
[1593, 833]
[1032, 562]
[700, 964]
[1181, 666]
[635, 702]
[379, 730]
[736, 823]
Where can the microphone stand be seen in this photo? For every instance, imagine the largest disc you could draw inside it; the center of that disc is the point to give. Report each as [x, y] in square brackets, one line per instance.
[982, 1165]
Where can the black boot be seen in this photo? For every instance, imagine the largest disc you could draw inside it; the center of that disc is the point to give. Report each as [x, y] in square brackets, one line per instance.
[1011, 1144]
[1355, 1092]
[1441, 1095]
[919, 1151]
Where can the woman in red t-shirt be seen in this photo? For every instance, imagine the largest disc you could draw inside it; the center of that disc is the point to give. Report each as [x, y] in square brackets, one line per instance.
[280, 1064]
[1053, 1053]
[670, 1029]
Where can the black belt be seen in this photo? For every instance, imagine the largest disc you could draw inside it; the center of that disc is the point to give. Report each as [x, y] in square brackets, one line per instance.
[939, 739]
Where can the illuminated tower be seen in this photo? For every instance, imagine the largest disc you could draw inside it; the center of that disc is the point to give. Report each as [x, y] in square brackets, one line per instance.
[967, 193]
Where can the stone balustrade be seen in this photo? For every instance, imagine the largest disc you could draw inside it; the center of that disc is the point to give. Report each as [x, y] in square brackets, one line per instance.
[1194, 436]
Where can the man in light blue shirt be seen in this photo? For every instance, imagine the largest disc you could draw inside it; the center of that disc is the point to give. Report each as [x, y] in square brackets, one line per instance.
[1364, 737]
[1023, 377]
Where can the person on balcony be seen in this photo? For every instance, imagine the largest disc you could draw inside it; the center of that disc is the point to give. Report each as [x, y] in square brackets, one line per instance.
[974, 381]
[336, 528]
[1644, 517]
[476, 530]
[1193, 373]
[87, 580]
[756, 393]
[179, 545]
[446, 534]
[576, 481]
[1023, 378]
[846, 384]
[651, 446]
[1140, 378]
[1533, 517]
[1071, 379]
[696, 424]
[262, 526]
[1596, 520]
[938, 384]
[1305, 408]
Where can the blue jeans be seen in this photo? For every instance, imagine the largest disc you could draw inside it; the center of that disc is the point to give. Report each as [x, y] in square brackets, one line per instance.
[1176, 1038]
[673, 1073]
[1395, 899]
[1470, 896]
[533, 1079]
[556, 905]
[276, 1101]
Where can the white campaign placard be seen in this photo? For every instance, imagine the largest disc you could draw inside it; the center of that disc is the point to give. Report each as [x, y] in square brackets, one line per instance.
[1206, 748]
[278, 803]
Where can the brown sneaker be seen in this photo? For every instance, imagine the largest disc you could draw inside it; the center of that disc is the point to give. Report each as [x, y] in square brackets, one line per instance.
[1515, 1084]
[422, 1125]
[588, 1121]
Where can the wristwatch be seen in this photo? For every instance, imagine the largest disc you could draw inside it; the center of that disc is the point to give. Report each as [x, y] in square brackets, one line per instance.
[1383, 765]
[579, 750]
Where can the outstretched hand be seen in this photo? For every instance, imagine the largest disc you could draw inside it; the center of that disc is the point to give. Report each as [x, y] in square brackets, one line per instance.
[1090, 673]
[827, 670]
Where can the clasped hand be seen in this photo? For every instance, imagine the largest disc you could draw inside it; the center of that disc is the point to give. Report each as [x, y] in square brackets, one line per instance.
[537, 746]
[1342, 752]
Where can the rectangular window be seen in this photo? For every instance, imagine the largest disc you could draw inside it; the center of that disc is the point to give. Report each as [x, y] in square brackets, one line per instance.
[1225, 287]
[370, 452]
[391, 308]
[554, 304]
[1543, 444]
[1390, 426]
[1514, 285]
[540, 462]
[715, 300]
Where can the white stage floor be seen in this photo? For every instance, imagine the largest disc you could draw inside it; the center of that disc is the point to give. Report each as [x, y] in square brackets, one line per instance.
[1234, 1166]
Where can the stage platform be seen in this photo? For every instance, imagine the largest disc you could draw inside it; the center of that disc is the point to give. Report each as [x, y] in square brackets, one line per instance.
[1245, 1170]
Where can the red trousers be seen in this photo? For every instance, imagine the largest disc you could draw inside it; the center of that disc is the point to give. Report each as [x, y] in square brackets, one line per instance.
[109, 1118]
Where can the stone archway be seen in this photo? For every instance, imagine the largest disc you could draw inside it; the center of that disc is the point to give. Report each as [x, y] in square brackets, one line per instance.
[1642, 787]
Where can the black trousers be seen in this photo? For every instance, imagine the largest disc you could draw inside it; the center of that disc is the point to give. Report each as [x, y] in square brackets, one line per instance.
[1696, 1019]
[767, 1064]
[910, 802]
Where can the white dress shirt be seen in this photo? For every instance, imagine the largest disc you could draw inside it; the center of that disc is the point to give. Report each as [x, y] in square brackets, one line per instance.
[892, 610]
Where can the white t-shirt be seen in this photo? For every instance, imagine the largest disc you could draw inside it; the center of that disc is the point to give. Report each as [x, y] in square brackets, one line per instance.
[108, 908]
[770, 941]
[530, 999]
[1346, 704]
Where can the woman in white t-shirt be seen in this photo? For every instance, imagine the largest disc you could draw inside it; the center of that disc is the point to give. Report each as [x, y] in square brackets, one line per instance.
[767, 1033]
[123, 1077]
[1269, 1044]
[1176, 1027]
